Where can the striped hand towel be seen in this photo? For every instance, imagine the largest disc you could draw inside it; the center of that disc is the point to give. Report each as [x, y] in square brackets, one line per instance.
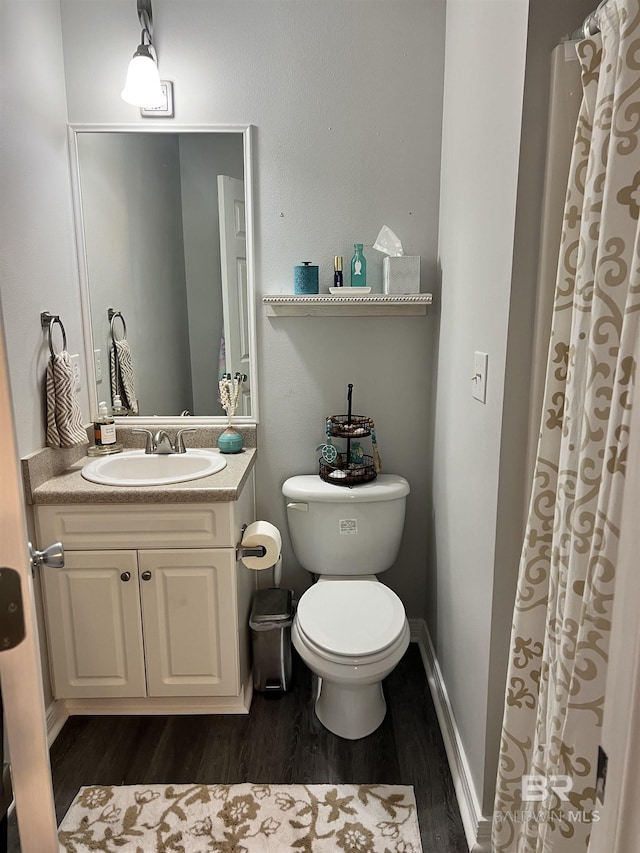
[122, 379]
[64, 419]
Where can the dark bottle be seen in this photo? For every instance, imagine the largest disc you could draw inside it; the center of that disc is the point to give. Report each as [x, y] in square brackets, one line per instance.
[337, 271]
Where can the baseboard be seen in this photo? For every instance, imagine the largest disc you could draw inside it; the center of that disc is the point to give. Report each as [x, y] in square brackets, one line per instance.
[477, 828]
[57, 716]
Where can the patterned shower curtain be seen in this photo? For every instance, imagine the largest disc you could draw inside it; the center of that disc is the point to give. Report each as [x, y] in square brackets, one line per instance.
[545, 798]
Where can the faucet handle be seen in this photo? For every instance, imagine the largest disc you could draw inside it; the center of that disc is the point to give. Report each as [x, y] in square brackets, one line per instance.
[150, 445]
[179, 442]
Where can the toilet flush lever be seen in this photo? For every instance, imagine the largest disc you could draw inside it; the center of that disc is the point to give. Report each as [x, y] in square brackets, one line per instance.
[299, 506]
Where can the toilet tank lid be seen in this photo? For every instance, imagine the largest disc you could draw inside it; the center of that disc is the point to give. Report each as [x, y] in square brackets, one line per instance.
[310, 487]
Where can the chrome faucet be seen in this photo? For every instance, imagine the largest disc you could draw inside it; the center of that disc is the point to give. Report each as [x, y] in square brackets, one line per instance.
[161, 443]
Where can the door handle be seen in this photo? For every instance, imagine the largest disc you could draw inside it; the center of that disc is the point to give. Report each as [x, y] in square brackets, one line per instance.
[146, 576]
[125, 576]
[53, 556]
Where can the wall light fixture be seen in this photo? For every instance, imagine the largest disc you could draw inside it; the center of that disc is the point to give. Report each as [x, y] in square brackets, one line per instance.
[142, 87]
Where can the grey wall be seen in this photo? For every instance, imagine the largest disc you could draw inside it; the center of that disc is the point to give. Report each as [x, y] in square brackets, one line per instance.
[347, 107]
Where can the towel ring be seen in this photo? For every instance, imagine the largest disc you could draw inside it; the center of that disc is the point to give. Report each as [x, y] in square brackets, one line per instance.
[112, 316]
[48, 321]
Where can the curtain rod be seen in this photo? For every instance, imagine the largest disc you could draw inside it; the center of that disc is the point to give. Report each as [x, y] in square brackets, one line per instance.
[591, 24]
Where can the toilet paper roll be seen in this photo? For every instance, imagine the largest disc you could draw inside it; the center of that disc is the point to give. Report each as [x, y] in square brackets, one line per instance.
[265, 534]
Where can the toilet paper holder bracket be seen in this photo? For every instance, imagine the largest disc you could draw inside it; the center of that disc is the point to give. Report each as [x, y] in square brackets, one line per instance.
[245, 551]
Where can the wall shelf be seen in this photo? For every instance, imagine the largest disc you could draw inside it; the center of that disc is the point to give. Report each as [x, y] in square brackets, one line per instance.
[324, 305]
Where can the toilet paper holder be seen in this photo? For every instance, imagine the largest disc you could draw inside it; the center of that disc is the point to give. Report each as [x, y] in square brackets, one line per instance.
[245, 551]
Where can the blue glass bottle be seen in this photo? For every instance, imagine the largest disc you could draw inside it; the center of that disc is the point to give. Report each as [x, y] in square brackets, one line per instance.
[358, 267]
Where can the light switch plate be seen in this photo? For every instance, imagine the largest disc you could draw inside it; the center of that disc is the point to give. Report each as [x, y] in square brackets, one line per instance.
[97, 360]
[75, 364]
[479, 379]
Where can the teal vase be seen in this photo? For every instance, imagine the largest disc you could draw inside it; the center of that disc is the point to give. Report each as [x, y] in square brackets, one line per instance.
[230, 441]
[358, 267]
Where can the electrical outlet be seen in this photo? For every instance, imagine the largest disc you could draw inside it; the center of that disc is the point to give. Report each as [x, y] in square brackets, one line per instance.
[479, 378]
[97, 361]
[75, 364]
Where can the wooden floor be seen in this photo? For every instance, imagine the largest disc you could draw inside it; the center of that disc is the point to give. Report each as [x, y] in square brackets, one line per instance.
[281, 740]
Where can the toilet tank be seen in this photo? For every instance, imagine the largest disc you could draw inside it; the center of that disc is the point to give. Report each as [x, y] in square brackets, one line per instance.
[337, 530]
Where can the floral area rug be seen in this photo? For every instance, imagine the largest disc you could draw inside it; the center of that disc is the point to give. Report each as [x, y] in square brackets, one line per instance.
[239, 818]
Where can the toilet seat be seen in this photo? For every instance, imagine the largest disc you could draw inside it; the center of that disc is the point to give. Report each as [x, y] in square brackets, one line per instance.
[343, 619]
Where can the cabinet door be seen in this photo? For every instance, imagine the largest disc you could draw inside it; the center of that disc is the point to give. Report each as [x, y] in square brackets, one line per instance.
[189, 614]
[94, 625]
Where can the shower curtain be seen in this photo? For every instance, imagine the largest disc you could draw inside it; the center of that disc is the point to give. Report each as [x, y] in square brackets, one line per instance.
[545, 797]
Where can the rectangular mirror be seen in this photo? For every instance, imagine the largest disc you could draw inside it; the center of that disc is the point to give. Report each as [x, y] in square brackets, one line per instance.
[164, 224]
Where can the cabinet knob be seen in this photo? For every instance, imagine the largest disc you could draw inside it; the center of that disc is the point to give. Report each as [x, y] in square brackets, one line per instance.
[146, 576]
[125, 576]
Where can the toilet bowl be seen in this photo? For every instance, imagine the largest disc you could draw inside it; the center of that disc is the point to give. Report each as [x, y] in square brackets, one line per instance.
[351, 633]
[350, 629]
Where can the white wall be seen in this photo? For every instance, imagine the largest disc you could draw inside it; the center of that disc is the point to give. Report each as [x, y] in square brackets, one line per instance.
[491, 199]
[481, 133]
[347, 101]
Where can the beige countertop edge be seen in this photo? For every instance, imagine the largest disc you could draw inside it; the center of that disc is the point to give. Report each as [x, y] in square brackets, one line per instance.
[70, 487]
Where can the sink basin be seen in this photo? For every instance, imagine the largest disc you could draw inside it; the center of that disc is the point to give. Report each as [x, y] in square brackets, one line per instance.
[137, 468]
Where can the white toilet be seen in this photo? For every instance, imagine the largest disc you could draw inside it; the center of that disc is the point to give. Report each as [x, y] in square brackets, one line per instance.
[350, 629]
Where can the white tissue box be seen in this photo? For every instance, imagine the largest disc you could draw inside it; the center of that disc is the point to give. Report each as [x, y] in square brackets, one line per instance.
[401, 275]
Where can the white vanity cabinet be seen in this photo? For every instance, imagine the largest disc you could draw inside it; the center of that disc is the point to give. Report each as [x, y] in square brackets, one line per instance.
[151, 609]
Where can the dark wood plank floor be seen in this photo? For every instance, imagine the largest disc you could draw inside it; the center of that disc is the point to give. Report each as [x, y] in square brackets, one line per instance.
[281, 740]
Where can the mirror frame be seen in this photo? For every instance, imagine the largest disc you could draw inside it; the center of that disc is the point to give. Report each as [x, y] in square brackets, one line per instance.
[248, 132]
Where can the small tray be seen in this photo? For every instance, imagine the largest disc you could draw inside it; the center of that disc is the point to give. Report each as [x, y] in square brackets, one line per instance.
[349, 291]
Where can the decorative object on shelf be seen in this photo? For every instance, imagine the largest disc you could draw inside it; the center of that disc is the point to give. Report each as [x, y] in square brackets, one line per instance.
[349, 291]
[356, 454]
[358, 267]
[328, 451]
[230, 441]
[400, 272]
[354, 466]
[337, 271]
[305, 278]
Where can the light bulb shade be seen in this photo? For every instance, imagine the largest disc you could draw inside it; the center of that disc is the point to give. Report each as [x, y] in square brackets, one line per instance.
[142, 87]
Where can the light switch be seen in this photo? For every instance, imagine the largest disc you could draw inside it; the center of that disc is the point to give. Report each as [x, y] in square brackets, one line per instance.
[479, 378]
[97, 360]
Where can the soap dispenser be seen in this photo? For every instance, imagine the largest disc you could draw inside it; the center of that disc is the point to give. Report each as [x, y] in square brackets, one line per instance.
[118, 410]
[104, 427]
[104, 433]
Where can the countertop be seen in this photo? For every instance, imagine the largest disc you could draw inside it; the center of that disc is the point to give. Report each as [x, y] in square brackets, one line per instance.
[70, 487]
